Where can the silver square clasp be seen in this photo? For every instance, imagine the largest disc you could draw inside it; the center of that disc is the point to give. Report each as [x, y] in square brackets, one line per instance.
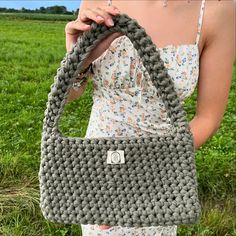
[115, 157]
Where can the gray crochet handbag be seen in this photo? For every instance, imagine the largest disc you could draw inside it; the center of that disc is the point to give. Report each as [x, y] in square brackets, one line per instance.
[126, 181]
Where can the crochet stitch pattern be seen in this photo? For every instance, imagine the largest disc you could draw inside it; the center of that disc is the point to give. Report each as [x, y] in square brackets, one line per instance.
[155, 185]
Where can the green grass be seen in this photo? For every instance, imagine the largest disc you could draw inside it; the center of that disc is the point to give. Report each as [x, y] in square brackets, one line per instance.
[30, 53]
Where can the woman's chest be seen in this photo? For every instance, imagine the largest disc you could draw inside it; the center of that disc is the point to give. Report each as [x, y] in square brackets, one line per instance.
[164, 24]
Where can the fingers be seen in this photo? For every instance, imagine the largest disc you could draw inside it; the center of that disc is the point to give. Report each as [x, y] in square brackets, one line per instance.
[86, 17]
[103, 16]
[99, 15]
[79, 25]
[75, 28]
[112, 10]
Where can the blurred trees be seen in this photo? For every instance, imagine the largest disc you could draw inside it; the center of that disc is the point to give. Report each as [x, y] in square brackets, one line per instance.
[48, 10]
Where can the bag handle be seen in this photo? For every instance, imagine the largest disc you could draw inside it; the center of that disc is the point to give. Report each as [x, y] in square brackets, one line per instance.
[73, 61]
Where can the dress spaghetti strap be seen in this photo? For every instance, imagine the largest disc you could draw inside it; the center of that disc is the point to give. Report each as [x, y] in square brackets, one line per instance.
[200, 20]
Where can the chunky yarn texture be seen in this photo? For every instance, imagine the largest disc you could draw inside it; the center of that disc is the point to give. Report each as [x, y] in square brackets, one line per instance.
[156, 185]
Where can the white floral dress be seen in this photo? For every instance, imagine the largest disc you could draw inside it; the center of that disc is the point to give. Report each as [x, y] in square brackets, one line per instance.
[125, 103]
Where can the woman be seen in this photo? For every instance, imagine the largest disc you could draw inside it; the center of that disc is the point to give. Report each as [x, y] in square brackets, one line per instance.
[197, 53]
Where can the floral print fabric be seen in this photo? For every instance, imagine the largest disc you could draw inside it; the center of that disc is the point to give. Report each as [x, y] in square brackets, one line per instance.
[125, 102]
[92, 230]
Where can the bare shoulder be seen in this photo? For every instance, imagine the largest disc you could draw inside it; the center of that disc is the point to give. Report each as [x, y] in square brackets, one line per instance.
[220, 16]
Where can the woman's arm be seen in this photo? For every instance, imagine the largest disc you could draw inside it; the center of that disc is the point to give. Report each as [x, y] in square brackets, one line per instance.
[71, 39]
[89, 10]
[216, 67]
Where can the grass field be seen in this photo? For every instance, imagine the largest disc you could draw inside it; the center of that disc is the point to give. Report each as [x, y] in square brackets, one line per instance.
[30, 52]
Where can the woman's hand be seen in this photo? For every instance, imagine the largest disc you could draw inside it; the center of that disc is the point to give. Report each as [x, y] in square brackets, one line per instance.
[87, 16]
[75, 28]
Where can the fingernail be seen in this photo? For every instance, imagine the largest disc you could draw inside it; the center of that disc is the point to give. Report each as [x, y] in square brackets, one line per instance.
[110, 22]
[117, 11]
[99, 18]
